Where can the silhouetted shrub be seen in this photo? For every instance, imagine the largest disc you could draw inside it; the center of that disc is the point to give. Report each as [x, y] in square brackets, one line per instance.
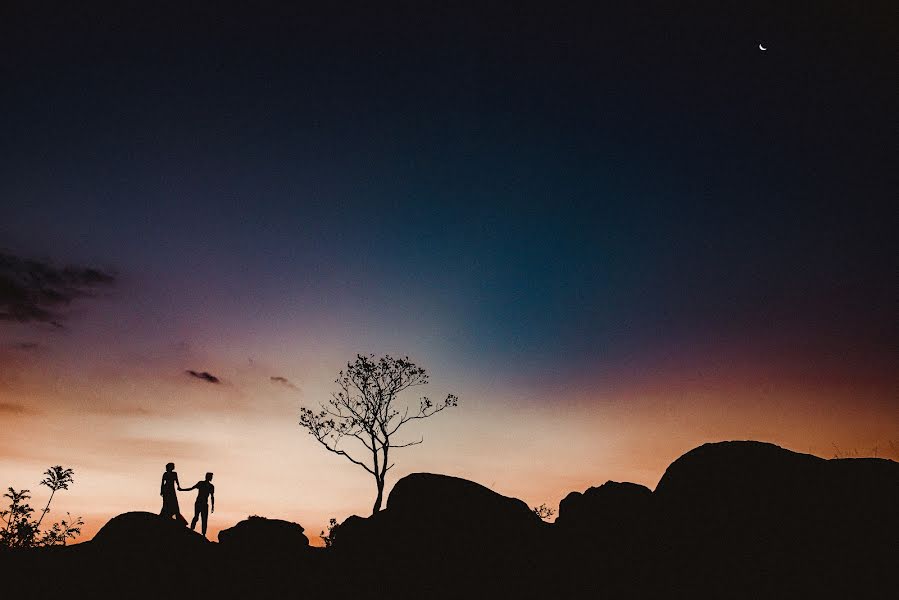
[544, 512]
[23, 532]
[332, 529]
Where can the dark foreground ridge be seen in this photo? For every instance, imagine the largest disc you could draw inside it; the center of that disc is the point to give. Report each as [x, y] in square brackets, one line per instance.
[727, 520]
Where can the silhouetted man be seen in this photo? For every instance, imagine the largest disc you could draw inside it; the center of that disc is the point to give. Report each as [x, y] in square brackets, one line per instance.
[205, 490]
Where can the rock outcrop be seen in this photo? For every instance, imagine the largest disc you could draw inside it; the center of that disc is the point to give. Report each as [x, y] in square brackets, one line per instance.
[754, 519]
[727, 520]
[435, 524]
[441, 513]
[258, 534]
[611, 509]
[146, 531]
[759, 492]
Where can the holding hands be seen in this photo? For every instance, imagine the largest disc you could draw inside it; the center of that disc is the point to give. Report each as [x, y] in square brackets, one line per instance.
[168, 487]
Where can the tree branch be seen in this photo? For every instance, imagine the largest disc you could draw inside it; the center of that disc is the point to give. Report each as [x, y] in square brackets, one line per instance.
[407, 444]
[345, 455]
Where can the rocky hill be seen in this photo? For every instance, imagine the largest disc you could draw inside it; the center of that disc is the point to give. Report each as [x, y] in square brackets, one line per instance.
[727, 520]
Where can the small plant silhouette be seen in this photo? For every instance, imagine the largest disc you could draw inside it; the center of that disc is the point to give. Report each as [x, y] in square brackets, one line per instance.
[60, 533]
[544, 512]
[21, 531]
[332, 529]
[57, 478]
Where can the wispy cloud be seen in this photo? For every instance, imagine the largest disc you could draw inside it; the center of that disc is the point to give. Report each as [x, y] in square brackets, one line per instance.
[25, 346]
[283, 381]
[37, 291]
[124, 410]
[205, 376]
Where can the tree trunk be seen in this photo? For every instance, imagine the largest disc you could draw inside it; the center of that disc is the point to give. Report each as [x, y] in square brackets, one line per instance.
[380, 497]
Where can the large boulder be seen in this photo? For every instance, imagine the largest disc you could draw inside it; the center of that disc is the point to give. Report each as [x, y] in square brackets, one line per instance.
[258, 535]
[610, 510]
[458, 507]
[146, 532]
[601, 539]
[605, 507]
[753, 517]
[761, 491]
[440, 512]
[448, 533]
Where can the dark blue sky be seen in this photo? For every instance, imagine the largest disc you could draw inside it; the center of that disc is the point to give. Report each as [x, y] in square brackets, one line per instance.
[579, 181]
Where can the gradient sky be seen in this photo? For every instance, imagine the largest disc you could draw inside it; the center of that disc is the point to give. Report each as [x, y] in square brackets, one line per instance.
[615, 233]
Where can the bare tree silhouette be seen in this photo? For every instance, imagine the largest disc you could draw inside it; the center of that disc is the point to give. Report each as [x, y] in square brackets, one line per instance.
[364, 409]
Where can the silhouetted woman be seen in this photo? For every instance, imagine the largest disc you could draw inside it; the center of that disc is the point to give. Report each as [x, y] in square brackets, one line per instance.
[169, 495]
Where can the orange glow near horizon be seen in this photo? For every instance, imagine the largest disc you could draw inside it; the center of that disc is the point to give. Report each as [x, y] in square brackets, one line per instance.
[118, 430]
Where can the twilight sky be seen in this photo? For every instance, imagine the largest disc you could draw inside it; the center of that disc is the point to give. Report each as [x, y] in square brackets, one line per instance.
[614, 233]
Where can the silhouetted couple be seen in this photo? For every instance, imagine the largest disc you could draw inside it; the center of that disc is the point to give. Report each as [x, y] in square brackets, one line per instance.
[170, 509]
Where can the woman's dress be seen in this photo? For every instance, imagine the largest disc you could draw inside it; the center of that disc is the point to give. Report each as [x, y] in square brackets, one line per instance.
[170, 506]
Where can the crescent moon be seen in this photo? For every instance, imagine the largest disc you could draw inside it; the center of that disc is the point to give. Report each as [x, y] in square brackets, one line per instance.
[762, 48]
